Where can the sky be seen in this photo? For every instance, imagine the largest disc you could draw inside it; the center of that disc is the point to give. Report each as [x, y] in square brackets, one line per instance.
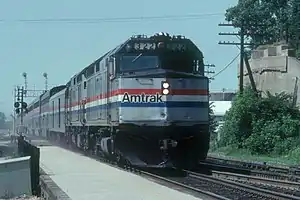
[62, 49]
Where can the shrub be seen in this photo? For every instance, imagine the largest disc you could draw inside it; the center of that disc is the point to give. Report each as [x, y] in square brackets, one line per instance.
[263, 125]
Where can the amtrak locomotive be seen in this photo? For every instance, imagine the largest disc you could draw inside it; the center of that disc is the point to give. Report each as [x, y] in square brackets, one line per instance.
[143, 103]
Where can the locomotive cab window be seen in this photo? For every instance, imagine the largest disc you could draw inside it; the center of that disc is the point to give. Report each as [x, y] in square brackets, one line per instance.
[138, 62]
[178, 61]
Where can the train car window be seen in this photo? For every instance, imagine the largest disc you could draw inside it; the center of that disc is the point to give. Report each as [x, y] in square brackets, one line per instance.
[138, 62]
[79, 78]
[84, 84]
[53, 117]
[58, 112]
[78, 99]
[90, 71]
[97, 67]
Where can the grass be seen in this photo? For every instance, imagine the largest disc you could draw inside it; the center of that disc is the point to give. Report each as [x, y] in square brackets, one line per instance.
[293, 158]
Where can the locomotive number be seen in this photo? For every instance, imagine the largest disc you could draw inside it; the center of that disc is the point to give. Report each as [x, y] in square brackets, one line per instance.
[144, 46]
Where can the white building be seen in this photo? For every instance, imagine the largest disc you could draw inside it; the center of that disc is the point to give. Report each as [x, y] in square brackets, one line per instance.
[220, 108]
[221, 104]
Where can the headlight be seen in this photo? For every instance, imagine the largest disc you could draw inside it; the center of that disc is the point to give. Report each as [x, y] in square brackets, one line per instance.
[165, 91]
[166, 85]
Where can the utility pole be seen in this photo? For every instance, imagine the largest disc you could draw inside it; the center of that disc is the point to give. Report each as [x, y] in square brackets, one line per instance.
[45, 75]
[22, 105]
[242, 45]
[14, 114]
[242, 51]
[208, 71]
[25, 82]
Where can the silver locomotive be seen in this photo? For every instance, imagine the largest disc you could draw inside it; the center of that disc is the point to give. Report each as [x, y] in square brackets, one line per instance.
[143, 103]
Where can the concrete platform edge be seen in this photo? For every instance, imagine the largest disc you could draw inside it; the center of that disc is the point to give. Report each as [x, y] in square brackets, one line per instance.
[49, 189]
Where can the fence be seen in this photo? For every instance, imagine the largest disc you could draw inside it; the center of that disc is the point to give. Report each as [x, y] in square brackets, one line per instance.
[27, 149]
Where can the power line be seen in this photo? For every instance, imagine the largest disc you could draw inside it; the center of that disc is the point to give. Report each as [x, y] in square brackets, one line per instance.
[222, 70]
[113, 19]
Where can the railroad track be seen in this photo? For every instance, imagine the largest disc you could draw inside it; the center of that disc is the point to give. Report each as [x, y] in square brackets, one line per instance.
[275, 176]
[285, 187]
[236, 190]
[243, 171]
[184, 184]
[254, 165]
[254, 168]
[214, 187]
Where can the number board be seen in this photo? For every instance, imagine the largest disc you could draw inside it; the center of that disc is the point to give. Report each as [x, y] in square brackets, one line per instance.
[177, 46]
[151, 46]
[144, 46]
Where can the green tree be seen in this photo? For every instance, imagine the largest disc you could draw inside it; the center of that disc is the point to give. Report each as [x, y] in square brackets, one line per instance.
[212, 127]
[262, 125]
[2, 120]
[212, 122]
[267, 21]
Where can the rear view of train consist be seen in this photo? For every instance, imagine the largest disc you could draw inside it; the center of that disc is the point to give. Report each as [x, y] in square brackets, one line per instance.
[144, 103]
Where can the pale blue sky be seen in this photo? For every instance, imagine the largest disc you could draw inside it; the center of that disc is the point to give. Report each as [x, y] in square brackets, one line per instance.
[63, 49]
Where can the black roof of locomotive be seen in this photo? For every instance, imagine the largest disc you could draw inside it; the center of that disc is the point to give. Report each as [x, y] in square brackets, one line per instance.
[157, 38]
[140, 38]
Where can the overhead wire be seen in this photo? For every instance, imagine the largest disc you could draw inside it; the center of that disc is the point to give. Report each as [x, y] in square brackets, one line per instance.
[113, 19]
[121, 19]
[228, 65]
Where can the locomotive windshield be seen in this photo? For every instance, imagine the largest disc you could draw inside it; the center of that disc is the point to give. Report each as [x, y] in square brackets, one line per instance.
[178, 61]
[138, 62]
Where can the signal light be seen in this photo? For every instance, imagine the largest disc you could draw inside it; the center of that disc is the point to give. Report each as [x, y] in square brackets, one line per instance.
[20, 105]
[17, 105]
[24, 105]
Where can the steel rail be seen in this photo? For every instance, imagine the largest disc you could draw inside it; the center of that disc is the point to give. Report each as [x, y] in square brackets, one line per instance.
[251, 189]
[281, 183]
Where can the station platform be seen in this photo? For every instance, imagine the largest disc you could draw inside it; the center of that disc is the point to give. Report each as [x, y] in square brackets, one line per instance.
[83, 178]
